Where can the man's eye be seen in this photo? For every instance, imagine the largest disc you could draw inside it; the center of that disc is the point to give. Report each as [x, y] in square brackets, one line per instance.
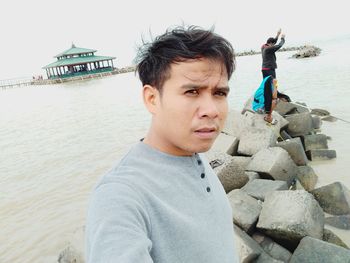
[192, 92]
[221, 93]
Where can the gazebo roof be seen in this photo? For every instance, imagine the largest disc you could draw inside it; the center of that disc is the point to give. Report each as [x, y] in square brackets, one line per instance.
[77, 61]
[75, 51]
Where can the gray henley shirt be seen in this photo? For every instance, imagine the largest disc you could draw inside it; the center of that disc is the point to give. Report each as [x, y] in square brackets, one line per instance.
[155, 207]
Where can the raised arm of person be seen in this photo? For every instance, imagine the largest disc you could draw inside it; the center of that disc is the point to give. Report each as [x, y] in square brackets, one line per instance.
[117, 227]
[280, 44]
[278, 34]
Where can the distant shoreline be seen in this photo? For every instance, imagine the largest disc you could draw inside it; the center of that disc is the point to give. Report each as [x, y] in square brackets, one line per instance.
[10, 83]
[254, 52]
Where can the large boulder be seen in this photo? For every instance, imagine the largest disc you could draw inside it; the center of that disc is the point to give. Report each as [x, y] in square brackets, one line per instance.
[312, 250]
[307, 51]
[259, 188]
[295, 149]
[321, 154]
[288, 216]
[272, 248]
[225, 143]
[330, 237]
[229, 169]
[246, 209]
[333, 198]
[342, 221]
[307, 177]
[284, 108]
[315, 142]
[273, 163]
[299, 124]
[249, 250]
[253, 140]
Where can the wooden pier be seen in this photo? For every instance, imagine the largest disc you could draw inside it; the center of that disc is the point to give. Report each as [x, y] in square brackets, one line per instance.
[15, 83]
[22, 82]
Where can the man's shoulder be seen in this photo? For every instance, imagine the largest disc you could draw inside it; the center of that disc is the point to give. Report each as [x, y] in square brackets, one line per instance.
[125, 170]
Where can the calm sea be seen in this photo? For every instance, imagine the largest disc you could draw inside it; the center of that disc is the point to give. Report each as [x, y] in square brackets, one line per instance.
[56, 141]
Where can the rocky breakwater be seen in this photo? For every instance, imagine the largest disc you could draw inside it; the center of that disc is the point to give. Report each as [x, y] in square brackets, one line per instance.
[278, 214]
[304, 51]
[307, 51]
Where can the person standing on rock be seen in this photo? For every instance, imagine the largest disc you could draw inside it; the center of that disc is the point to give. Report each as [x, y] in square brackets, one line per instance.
[269, 64]
[268, 52]
[163, 202]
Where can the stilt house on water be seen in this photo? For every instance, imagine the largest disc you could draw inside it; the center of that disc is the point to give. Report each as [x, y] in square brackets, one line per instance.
[78, 61]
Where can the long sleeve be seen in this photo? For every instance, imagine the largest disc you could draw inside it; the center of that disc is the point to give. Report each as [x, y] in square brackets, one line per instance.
[117, 227]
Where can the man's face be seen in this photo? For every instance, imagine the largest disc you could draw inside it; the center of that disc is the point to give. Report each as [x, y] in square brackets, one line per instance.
[192, 108]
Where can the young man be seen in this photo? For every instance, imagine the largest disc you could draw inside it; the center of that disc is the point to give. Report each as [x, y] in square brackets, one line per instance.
[268, 51]
[269, 64]
[265, 98]
[163, 203]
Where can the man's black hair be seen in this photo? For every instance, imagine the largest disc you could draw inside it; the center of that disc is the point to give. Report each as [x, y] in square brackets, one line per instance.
[178, 45]
[271, 40]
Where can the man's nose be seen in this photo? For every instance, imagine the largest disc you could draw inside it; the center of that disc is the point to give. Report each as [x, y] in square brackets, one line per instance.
[208, 107]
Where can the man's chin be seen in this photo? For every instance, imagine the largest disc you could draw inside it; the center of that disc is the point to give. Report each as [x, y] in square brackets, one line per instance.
[204, 148]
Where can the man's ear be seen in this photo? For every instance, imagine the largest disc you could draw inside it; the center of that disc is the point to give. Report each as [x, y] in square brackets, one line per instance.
[150, 98]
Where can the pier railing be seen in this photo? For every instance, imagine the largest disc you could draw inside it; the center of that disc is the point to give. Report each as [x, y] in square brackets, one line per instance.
[16, 82]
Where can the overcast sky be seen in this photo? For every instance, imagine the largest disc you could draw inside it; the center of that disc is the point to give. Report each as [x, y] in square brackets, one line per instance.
[32, 32]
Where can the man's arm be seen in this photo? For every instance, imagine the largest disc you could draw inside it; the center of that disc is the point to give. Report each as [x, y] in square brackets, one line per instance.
[278, 34]
[279, 45]
[117, 226]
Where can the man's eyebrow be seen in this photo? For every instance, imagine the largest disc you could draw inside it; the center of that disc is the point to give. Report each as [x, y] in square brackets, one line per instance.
[194, 86]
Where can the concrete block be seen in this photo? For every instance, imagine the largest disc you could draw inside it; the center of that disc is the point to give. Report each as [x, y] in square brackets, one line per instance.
[245, 209]
[332, 238]
[299, 124]
[315, 142]
[273, 162]
[272, 248]
[312, 250]
[225, 143]
[253, 140]
[284, 108]
[307, 177]
[333, 198]
[295, 149]
[319, 155]
[259, 188]
[296, 214]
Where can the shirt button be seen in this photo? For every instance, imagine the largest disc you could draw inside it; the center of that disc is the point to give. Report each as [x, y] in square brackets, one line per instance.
[202, 175]
[199, 162]
[208, 189]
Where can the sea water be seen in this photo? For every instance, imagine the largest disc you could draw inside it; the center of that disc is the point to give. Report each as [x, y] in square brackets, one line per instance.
[57, 141]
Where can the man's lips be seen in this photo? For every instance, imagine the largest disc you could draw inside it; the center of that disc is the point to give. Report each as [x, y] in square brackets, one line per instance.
[206, 132]
[206, 129]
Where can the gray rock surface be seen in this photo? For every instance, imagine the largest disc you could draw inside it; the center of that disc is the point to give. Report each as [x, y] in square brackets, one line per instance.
[333, 198]
[295, 149]
[307, 177]
[296, 214]
[330, 237]
[320, 154]
[273, 162]
[253, 140]
[311, 250]
[245, 209]
[259, 188]
[299, 124]
[342, 221]
[315, 142]
[272, 248]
